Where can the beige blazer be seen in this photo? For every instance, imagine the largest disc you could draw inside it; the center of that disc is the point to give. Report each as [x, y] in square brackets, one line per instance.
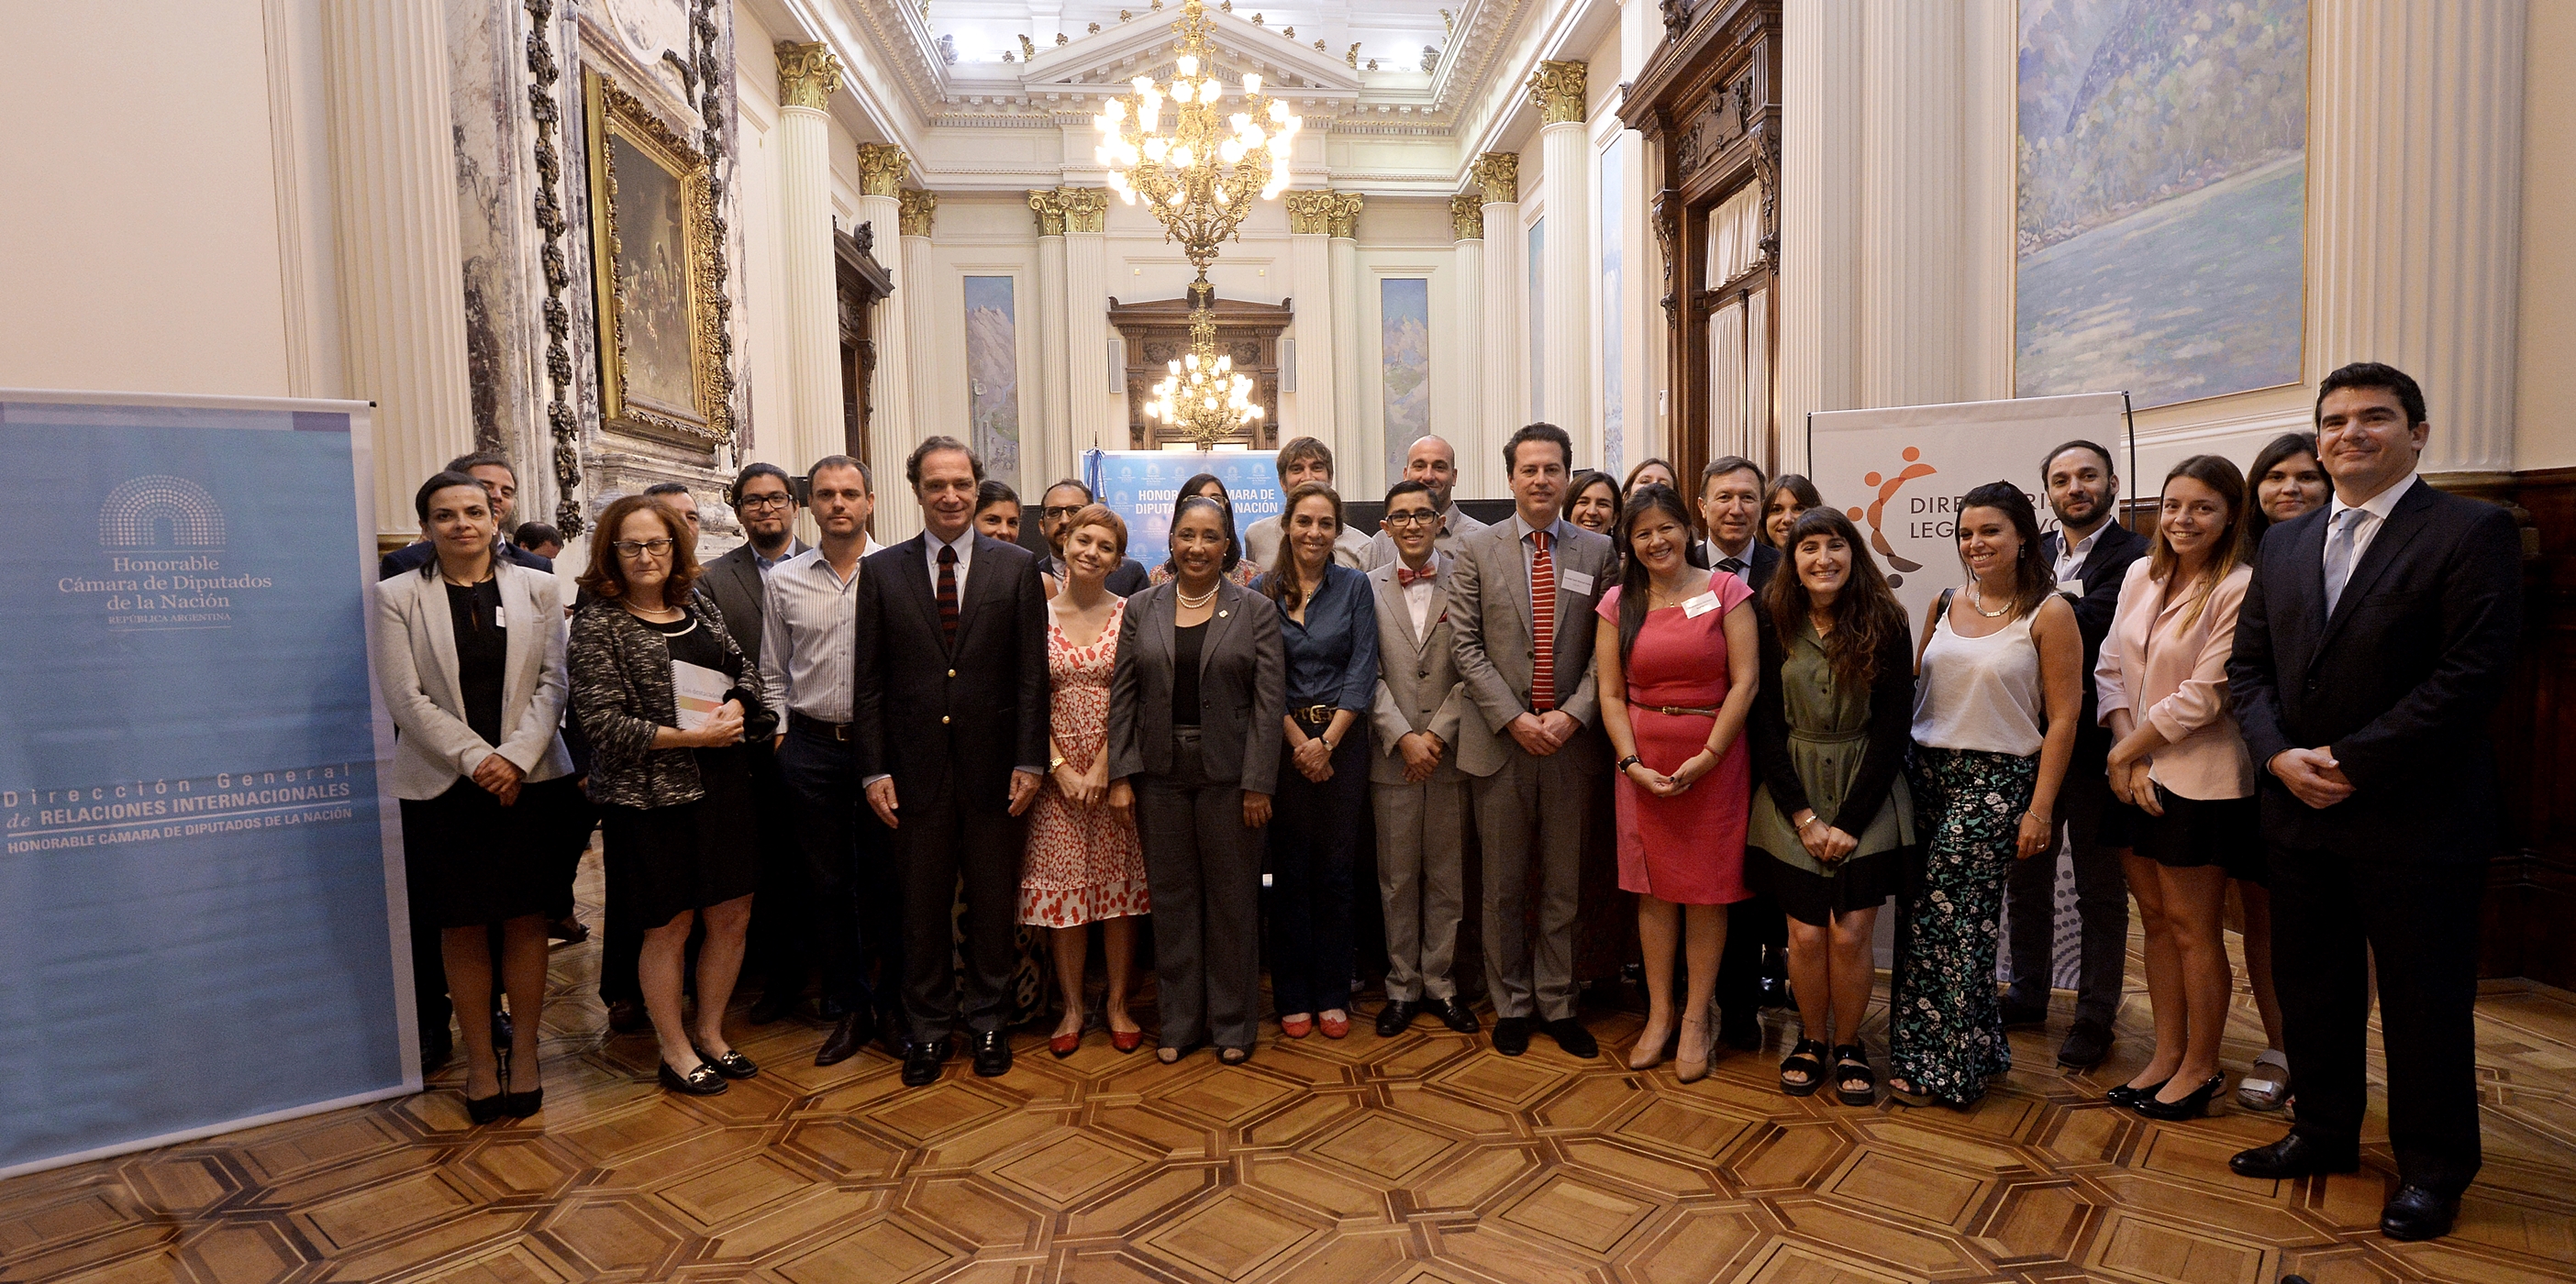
[1489, 606]
[2173, 676]
[1418, 688]
[415, 646]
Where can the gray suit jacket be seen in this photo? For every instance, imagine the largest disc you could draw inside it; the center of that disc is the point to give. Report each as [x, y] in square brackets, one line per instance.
[1490, 609]
[1454, 531]
[1417, 687]
[1243, 688]
[733, 580]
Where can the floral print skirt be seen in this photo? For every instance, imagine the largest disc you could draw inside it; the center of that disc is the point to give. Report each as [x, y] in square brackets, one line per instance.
[1946, 1029]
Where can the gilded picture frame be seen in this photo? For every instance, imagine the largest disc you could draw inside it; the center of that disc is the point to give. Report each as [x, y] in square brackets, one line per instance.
[652, 221]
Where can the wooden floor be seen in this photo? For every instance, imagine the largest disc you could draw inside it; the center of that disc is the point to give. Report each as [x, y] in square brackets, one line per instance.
[1417, 1159]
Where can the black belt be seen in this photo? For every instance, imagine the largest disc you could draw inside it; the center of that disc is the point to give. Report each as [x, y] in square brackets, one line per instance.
[816, 726]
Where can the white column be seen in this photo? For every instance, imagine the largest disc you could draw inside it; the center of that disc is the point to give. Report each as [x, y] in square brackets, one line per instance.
[402, 272]
[1504, 334]
[916, 293]
[1310, 268]
[881, 168]
[1819, 247]
[1467, 349]
[1911, 279]
[2414, 222]
[1350, 416]
[1567, 268]
[1099, 415]
[1046, 428]
[808, 75]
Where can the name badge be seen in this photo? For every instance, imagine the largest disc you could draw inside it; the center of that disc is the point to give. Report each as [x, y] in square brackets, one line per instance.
[1699, 606]
[2072, 588]
[1576, 582]
[499, 620]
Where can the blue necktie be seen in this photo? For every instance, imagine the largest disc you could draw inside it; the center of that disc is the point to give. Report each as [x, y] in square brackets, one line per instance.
[2339, 543]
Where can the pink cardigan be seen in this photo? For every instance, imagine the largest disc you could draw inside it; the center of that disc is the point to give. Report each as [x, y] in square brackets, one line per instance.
[2174, 677]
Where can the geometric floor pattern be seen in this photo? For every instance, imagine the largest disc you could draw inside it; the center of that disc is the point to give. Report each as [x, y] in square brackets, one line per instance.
[1415, 1160]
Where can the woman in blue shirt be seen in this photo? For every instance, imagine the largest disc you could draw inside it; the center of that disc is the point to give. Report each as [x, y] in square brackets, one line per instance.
[1328, 620]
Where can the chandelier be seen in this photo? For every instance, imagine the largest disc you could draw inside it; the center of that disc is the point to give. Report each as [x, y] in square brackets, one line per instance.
[1203, 397]
[1199, 166]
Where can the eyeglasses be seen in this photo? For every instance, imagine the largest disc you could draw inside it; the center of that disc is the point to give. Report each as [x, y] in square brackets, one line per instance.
[634, 548]
[753, 503]
[1055, 512]
[1413, 517]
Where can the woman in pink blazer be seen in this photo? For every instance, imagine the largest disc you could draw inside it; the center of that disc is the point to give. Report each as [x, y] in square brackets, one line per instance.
[2180, 761]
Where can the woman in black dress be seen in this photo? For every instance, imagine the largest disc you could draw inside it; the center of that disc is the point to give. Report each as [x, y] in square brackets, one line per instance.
[470, 656]
[667, 699]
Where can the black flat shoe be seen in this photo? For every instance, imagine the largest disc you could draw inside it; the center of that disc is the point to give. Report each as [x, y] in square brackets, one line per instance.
[2192, 1106]
[2293, 1156]
[1395, 1017]
[1573, 1038]
[1455, 1014]
[521, 1105]
[2086, 1045]
[921, 1062]
[850, 1034]
[992, 1054]
[700, 1082]
[2418, 1212]
[496, 1106]
[2127, 1098]
[1233, 1056]
[1851, 1062]
[1511, 1035]
[732, 1065]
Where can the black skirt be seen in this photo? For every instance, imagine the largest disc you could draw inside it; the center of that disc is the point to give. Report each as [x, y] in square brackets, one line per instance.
[663, 861]
[469, 861]
[1863, 882]
[2195, 833]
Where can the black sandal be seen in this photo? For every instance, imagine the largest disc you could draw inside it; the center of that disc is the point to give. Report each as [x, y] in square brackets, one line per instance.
[1851, 1061]
[1233, 1056]
[1802, 1058]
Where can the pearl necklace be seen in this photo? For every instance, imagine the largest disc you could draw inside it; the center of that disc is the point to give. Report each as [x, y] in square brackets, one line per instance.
[1193, 603]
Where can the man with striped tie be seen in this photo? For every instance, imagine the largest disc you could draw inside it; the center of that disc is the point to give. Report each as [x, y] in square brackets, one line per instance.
[1521, 605]
[948, 720]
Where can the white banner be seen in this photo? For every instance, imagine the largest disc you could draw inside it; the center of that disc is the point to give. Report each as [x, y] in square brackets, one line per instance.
[1898, 472]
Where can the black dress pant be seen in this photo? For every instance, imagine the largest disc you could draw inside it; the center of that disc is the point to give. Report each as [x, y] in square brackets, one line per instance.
[778, 950]
[849, 918]
[939, 842]
[1314, 849]
[2331, 912]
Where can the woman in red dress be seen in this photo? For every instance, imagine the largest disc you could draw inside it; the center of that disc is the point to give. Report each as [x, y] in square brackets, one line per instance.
[1084, 862]
[1678, 666]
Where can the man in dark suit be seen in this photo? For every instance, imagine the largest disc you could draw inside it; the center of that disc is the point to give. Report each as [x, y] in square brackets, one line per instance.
[1055, 512]
[2374, 641]
[1753, 970]
[2090, 553]
[949, 724]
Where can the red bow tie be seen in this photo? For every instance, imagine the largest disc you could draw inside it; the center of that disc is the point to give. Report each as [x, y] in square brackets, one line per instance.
[1406, 575]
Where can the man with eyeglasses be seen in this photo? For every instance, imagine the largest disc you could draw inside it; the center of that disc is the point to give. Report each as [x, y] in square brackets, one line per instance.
[1055, 512]
[1432, 461]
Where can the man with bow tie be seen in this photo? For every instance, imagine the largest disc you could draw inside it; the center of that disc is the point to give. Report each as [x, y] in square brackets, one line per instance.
[1415, 783]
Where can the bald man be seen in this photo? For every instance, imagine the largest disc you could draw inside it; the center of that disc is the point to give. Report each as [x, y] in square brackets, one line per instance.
[1431, 461]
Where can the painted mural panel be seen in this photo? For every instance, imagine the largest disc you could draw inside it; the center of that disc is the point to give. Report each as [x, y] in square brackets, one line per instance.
[2162, 155]
[993, 374]
[1404, 358]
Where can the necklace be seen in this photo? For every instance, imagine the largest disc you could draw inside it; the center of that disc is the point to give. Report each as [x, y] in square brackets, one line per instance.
[1194, 603]
[1977, 599]
[655, 614]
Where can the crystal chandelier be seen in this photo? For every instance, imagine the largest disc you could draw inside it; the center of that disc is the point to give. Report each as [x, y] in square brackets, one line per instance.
[1199, 166]
[1203, 397]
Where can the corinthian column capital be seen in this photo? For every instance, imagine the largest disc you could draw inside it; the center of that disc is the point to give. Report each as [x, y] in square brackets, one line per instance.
[1310, 213]
[1556, 89]
[1346, 213]
[1467, 217]
[808, 74]
[881, 167]
[1499, 174]
[1086, 209]
[1048, 205]
[919, 207]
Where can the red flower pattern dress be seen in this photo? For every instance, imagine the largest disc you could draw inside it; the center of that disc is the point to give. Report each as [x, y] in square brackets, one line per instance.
[1084, 863]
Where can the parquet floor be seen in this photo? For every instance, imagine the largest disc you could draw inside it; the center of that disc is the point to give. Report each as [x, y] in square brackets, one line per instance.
[1400, 1161]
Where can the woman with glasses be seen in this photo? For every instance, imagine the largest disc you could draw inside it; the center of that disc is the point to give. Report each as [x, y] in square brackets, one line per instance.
[667, 699]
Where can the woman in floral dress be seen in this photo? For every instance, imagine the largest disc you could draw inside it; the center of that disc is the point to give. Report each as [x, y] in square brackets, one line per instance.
[1084, 863]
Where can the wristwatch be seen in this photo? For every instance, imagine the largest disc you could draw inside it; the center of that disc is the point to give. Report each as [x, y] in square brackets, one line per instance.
[1624, 764]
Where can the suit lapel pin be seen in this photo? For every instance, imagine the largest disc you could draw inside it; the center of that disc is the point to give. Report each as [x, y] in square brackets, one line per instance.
[1221, 615]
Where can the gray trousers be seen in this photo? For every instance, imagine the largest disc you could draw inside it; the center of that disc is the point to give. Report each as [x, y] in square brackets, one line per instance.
[1421, 837]
[1203, 869]
[1533, 809]
[2101, 903]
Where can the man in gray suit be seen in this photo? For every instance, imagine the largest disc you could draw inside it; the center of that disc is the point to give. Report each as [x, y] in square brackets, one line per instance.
[1415, 785]
[1431, 461]
[1521, 604]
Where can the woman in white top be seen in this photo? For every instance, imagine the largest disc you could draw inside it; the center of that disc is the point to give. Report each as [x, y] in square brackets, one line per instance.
[470, 657]
[1999, 687]
[2181, 762]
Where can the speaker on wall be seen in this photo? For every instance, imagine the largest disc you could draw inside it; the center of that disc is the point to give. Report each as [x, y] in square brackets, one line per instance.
[1118, 365]
[1287, 365]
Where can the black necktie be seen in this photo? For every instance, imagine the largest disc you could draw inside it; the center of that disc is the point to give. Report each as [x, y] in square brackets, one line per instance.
[1732, 565]
[948, 593]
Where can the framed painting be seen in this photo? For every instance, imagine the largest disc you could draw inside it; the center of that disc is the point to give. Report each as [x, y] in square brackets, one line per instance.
[652, 219]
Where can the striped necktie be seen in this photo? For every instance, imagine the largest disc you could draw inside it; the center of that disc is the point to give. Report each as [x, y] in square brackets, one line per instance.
[1542, 624]
[948, 593]
[2339, 545]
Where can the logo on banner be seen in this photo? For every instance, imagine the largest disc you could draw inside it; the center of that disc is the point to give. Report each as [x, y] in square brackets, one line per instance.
[162, 566]
[1887, 488]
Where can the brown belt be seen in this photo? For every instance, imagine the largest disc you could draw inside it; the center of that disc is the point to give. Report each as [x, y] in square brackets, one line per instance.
[1314, 713]
[1671, 712]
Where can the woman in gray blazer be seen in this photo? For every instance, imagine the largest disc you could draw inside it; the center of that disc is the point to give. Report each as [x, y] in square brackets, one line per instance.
[1195, 705]
[470, 655]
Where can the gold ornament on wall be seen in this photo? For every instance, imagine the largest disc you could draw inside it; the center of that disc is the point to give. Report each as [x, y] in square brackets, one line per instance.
[1028, 47]
[652, 230]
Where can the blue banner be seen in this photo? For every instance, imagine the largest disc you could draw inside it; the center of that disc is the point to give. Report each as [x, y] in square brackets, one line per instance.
[196, 896]
[1140, 485]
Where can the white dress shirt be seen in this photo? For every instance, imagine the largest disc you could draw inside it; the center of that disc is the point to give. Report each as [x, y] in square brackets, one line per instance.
[2070, 557]
[965, 546]
[2374, 514]
[808, 629]
[1417, 595]
[1717, 554]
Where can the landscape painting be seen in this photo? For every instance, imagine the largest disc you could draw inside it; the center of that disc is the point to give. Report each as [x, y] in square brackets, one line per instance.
[993, 375]
[1404, 360]
[2162, 157]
